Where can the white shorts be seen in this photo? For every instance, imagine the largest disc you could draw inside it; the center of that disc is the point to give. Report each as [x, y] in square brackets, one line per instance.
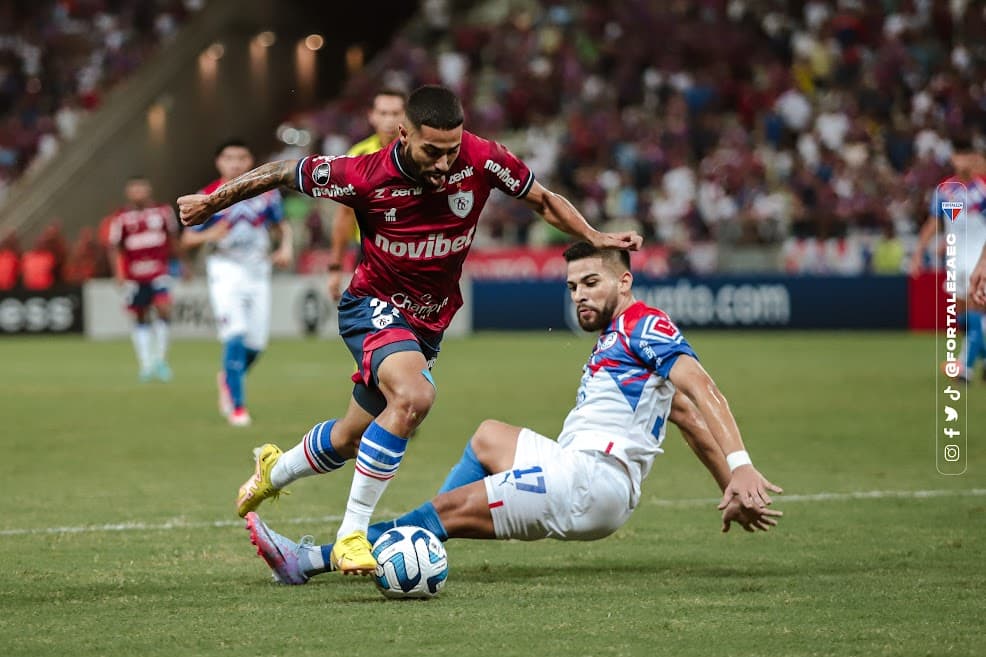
[553, 492]
[240, 299]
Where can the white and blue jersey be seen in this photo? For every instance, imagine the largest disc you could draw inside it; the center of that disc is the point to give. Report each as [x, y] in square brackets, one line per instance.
[248, 241]
[625, 395]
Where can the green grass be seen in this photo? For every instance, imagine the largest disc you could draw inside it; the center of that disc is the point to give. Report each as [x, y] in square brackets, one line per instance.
[83, 446]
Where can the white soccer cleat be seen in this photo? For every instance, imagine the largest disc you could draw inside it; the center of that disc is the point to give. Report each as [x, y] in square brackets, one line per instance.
[240, 418]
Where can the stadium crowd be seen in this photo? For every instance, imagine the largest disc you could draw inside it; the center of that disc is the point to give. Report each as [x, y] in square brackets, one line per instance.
[57, 60]
[817, 127]
[740, 122]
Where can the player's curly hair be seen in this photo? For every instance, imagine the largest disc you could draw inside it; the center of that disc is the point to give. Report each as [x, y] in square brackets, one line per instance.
[582, 250]
[434, 106]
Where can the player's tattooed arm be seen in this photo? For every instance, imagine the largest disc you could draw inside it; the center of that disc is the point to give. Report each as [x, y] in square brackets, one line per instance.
[560, 213]
[195, 209]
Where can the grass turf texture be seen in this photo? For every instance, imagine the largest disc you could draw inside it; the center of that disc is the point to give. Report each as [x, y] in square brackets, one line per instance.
[84, 446]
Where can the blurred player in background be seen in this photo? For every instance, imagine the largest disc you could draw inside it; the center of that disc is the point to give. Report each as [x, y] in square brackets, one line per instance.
[968, 186]
[238, 268]
[143, 238]
[513, 483]
[418, 202]
[385, 115]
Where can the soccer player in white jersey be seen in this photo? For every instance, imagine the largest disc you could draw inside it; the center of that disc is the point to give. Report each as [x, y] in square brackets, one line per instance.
[513, 483]
[239, 269]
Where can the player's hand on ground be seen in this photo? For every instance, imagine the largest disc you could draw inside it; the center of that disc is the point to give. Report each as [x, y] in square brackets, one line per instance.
[194, 209]
[749, 519]
[334, 285]
[750, 488]
[628, 239]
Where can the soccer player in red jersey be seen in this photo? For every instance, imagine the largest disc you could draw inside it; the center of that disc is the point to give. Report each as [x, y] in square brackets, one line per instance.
[417, 203]
[142, 240]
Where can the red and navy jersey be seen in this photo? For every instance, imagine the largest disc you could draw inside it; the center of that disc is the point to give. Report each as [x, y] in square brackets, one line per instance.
[415, 239]
[142, 236]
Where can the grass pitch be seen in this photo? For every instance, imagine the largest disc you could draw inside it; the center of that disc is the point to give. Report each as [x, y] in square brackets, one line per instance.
[118, 534]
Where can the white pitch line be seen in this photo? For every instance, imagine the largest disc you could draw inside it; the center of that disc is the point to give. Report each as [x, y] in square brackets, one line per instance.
[780, 500]
[834, 497]
[170, 525]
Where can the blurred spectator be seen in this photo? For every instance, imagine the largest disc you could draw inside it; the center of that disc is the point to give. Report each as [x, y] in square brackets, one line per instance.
[888, 252]
[87, 259]
[57, 60]
[10, 258]
[43, 265]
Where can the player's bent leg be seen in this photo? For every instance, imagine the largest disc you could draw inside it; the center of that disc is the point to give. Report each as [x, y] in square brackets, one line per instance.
[283, 556]
[491, 449]
[495, 444]
[464, 512]
[408, 389]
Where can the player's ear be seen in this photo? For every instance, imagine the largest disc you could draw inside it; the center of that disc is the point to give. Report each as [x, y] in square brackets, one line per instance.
[626, 282]
[402, 133]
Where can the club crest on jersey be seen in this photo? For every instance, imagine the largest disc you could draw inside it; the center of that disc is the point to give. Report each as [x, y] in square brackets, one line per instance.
[321, 174]
[952, 209]
[460, 203]
[607, 342]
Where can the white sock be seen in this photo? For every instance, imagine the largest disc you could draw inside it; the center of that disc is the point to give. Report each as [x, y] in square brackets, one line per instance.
[141, 336]
[363, 497]
[161, 330]
[380, 455]
[292, 465]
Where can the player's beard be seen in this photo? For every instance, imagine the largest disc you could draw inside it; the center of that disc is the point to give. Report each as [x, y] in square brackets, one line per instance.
[598, 319]
[414, 170]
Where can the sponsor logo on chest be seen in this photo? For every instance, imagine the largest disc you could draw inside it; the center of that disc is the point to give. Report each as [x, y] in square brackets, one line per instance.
[435, 245]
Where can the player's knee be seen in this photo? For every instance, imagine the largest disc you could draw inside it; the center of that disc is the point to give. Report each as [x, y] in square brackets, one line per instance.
[412, 401]
[484, 441]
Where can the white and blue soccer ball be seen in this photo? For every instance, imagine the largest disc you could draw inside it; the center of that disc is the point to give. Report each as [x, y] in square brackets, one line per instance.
[411, 563]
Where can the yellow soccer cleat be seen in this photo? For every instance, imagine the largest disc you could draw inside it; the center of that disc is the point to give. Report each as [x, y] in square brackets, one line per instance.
[353, 555]
[258, 487]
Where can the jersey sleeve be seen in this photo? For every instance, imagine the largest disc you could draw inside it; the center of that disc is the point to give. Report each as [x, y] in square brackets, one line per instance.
[658, 342]
[329, 176]
[507, 172]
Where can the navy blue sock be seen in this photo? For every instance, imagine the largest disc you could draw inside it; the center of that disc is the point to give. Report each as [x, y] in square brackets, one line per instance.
[424, 516]
[466, 471]
[234, 365]
[251, 358]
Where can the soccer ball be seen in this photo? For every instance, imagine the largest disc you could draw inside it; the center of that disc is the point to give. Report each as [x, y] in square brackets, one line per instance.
[411, 563]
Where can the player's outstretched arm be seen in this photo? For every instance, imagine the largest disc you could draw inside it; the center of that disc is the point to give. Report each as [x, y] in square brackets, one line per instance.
[746, 483]
[561, 214]
[686, 416]
[196, 209]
